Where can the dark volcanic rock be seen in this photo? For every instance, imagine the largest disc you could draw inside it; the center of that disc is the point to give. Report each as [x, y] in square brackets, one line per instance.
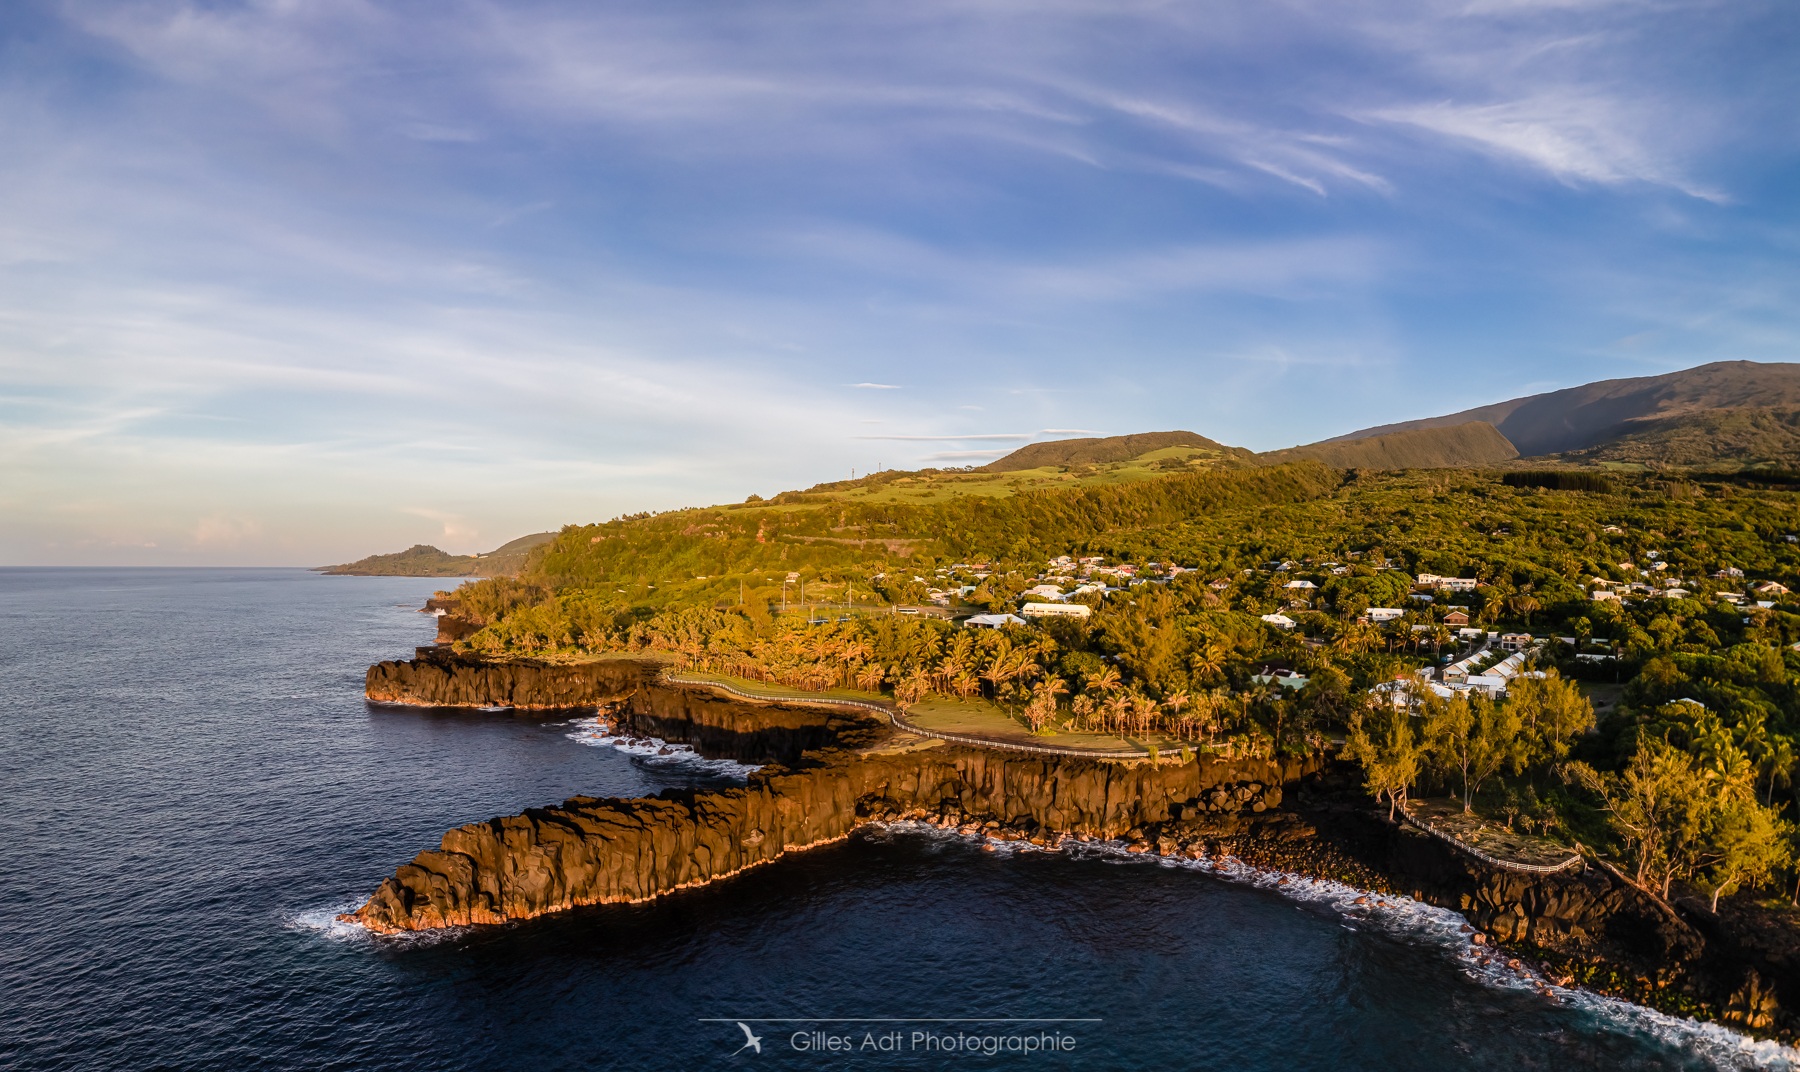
[592, 851]
[443, 678]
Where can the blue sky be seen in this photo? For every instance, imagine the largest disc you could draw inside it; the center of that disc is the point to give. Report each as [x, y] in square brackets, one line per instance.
[294, 281]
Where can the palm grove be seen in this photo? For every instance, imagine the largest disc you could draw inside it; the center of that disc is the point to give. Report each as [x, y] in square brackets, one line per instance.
[1687, 779]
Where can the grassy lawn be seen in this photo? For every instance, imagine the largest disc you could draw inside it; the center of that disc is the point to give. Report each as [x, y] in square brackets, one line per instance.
[974, 717]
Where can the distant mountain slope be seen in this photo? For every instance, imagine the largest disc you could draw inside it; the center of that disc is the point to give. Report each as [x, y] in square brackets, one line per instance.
[1474, 443]
[1580, 417]
[424, 560]
[1102, 451]
[1716, 438]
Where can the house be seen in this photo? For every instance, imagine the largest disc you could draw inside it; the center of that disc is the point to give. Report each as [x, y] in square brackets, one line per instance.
[1279, 621]
[1728, 573]
[1421, 597]
[1515, 641]
[994, 621]
[1600, 597]
[1055, 610]
[1770, 588]
[1456, 617]
[1455, 584]
[1045, 591]
[1219, 585]
[1471, 635]
[1486, 684]
[1676, 593]
[1300, 584]
[1280, 675]
[1384, 614]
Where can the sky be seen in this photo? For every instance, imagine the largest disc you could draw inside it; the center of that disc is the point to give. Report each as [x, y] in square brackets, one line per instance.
[290, 282]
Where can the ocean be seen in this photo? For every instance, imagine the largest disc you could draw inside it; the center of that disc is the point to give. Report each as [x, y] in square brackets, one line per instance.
[194, 788]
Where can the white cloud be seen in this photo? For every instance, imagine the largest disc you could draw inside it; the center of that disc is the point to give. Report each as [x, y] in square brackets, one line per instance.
[963, 455]
[1576, 139]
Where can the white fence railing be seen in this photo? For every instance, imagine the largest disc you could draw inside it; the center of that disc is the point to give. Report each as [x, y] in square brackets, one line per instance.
[1505, 865]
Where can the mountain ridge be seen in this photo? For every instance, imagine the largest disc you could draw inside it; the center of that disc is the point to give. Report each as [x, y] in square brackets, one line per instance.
[1588, 415]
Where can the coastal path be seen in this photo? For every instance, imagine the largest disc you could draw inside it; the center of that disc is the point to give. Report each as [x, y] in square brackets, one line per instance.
[900, 721]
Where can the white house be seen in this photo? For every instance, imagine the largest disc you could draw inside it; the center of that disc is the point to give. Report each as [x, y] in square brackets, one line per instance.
[1456, 584]
[1300, 584]
[993, 621]
[1279, 621]
[1378, 615]
[1055, 610]
[1515, 641]
[1045, 591]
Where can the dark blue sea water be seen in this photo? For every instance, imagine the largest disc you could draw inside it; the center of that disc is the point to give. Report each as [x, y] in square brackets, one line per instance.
[193, 786]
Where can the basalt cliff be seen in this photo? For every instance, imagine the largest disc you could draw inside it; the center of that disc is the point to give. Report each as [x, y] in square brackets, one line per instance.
[832, 769]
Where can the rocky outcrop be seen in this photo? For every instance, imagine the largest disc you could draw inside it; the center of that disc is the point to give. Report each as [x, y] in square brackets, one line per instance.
[591, 851]
[439, 677]
[1591, 927]
[836, 768]
[747, 731]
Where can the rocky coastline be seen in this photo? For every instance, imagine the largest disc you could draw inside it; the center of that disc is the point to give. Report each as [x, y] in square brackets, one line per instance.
[830, 770]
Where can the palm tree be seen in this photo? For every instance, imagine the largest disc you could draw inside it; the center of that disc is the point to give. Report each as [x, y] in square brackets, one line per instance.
[1209, 659]
[1116, 708]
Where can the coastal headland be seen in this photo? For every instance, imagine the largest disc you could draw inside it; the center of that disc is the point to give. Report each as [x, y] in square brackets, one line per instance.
[831, 766]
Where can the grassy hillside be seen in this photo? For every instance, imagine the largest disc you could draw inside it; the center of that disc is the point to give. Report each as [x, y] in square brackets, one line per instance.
[1474, 444]
[717, 552]
[424, 560]
[1712, 439]
[1578, 418]
[1080, 452]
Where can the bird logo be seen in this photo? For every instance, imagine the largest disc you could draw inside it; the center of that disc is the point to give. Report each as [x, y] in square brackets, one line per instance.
[751, 1042]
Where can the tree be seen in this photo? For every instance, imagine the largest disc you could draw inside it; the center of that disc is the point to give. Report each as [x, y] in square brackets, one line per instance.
[1551, 712]
[1387, 740]
[1747, 842]
[1476, 737]
[1658, 806]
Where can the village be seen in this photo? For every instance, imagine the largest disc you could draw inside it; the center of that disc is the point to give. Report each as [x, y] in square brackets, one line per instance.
[1481, 660]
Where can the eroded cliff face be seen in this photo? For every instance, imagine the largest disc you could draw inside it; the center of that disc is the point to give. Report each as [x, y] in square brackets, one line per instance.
[592, 851]
[439, 677]
[1591, 927]
[838, 768]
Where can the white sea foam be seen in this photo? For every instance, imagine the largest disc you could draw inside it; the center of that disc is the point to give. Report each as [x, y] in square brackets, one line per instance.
[654, 752]
[325, 921]
[1419, 923]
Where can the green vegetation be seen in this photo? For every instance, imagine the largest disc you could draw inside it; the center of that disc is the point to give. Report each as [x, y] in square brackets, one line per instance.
[1747, 438]
[1556, 479]
[1695, 682]
[1064, 453]
[1459, 446]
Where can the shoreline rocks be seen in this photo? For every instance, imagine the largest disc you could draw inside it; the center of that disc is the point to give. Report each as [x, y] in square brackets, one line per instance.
[830, 774]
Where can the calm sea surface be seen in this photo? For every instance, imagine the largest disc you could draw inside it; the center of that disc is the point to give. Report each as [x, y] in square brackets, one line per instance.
[193, 786]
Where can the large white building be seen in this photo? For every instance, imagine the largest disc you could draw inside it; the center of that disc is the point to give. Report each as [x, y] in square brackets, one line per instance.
[1056, 610]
